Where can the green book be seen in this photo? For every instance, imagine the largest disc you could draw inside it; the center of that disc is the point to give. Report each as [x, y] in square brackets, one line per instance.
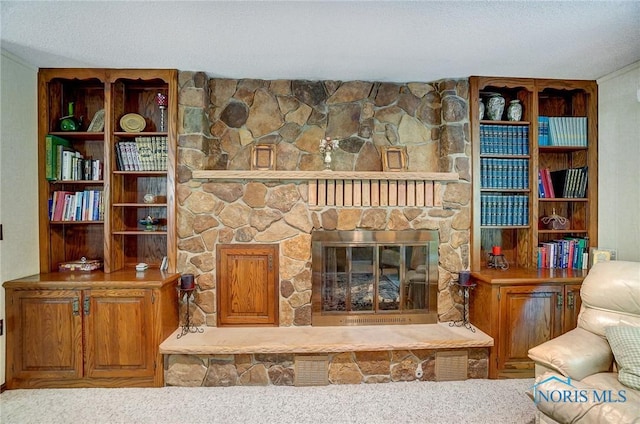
[51, 152]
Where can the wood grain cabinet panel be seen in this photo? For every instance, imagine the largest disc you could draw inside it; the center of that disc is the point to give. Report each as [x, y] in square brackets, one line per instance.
[50, 336]
[118, 344]
[247, 285]
[531, 316]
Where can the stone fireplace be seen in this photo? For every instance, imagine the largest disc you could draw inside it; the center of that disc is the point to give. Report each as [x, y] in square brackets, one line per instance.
[374, 277]
[220, 200]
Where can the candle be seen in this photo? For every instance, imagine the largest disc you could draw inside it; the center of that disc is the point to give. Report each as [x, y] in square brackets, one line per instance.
[186, 282]
[497, 250]
[463, 278]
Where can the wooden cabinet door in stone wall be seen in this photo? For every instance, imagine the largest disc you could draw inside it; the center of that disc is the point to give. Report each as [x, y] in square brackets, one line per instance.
[247, 282]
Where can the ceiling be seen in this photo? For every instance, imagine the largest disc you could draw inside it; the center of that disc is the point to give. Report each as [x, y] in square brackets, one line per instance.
[399, 41]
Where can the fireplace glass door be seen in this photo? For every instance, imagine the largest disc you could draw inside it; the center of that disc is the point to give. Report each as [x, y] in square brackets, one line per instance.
[373, 275]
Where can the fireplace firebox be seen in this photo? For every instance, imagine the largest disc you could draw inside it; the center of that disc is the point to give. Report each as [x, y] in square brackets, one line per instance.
[374, 277]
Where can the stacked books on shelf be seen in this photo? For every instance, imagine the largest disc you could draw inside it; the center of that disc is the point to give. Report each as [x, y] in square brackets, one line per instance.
[504, 139]
[504, 210]
[567, 253]
[87, 205]
[143, 154]
[562, 131]
[504, 173]
[65, 163]
[570, 183]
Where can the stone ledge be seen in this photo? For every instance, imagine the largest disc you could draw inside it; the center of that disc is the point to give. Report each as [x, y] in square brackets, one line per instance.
[326, 175]
[252, 340]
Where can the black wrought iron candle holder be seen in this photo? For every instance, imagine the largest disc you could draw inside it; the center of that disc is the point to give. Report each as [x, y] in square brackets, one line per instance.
[465, 285]
[497, 261]
[185, 294]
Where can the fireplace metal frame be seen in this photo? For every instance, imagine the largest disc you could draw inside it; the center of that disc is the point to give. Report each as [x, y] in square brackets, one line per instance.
[360, 238]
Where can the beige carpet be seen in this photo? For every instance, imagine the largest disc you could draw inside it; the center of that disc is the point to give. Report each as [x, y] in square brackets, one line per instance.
[457, 402]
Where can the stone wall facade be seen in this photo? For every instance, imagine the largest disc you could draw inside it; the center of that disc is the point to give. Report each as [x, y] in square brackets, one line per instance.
[221, 119]
[344, 368]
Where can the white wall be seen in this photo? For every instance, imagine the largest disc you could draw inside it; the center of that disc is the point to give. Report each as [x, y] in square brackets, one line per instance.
[619, 162]
[18, 177]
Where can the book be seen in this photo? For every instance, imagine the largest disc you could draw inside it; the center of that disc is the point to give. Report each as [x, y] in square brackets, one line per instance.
[569, 183]
[51, 151]
[567, 131]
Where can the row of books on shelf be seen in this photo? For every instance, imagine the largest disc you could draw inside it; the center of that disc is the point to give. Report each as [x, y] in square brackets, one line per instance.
[562, 131]
[87, 205]
[63, 162]
[568, 183]
[504, 139]
[504, 173]
[504, 210]
[567, 253]
[143, 154]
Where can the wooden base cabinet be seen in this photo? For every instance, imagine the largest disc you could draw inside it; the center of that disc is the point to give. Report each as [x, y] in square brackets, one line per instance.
[89, 330]
[521, 309]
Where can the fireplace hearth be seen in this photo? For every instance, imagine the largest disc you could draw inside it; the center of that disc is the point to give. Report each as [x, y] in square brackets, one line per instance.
[374, 277]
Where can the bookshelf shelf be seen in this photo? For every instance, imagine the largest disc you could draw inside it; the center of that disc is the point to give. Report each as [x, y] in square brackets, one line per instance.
[504, 190]
[499, 156]
[140, 233]
[569, 231]
[76, 222]
[67, 182]
[125, 134]
[515, 123]
[134, 173]
[504, 227]
[561, 149]
[140, 205]
[564, 199]
[79, 135]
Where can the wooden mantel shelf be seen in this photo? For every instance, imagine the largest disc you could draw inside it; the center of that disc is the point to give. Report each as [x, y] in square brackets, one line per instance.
[326, 175]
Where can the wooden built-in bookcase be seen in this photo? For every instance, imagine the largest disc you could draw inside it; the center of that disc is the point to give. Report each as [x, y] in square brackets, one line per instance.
[526, 304]
[519, 239]
[100, 328]
[116, 237]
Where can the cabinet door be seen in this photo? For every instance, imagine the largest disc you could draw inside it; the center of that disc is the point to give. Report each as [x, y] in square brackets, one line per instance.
[119, 333]
[529, 316]
[573, 302]
[46, 341]
[247, 285]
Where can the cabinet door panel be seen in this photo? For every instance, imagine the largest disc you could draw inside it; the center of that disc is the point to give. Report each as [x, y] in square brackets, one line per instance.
[118, 334]
[529, 316]
[247, 285]
[49, 342]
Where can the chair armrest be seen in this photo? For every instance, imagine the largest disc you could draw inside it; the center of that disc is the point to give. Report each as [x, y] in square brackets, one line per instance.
[576, 354]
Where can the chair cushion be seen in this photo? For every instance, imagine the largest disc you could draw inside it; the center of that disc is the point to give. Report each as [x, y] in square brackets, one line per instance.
[610, 296]
[625, 344]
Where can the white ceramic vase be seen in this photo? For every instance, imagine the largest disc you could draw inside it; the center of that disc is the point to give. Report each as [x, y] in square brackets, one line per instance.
[514, 111]
[495, 107]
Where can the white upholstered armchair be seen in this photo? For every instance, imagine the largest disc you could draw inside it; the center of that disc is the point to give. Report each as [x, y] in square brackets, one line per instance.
[591, 374]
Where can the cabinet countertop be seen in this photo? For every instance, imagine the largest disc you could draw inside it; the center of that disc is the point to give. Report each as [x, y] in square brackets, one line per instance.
[516, 276]
[151, 278]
